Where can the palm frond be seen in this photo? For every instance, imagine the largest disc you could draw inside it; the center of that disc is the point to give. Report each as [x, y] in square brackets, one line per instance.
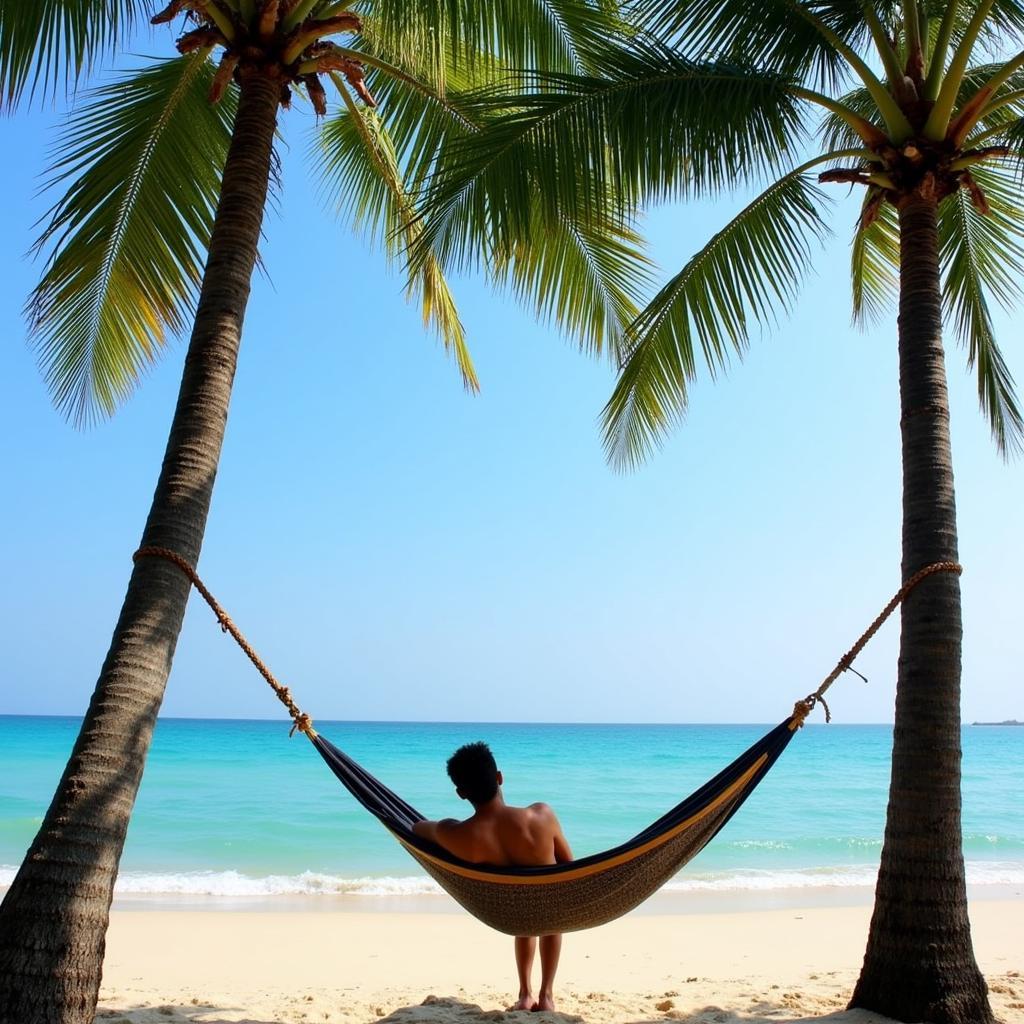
[421, 120]
[874, 264]
[46, 44]
[141, 161]
[653, 126]
[587, 280]
[359, 166]
[1012, 136]
[1003, 105]
[428, 36]
[743, 274]
[1005, 23]
[983, 255]
[835, 132]
[781, 35]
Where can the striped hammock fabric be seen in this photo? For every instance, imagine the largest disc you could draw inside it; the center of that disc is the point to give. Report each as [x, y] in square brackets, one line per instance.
[582, 893]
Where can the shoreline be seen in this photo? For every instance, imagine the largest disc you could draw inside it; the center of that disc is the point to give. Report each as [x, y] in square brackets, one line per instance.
[671, 903]
[662, 903]
[216, 967]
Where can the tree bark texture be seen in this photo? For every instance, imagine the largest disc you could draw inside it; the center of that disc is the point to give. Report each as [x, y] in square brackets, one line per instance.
[54, 918]
[919, 964]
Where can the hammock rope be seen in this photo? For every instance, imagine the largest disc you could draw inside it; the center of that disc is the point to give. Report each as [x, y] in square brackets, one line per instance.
[304, 724]
[846, 661]
[592, 890]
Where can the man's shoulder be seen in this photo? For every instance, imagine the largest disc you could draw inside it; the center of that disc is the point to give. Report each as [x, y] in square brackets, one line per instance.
[540, 810]
[462, 825]
[454, 835]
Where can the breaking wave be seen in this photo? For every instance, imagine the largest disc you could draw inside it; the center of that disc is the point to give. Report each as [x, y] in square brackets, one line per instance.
[312, 883]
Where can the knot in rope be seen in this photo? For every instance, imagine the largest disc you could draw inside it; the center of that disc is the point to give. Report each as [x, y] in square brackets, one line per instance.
[302, 722]
[802, 708]
[845, 664]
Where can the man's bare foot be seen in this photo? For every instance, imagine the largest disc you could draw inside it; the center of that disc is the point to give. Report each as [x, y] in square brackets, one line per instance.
[525, 1002]
[546, 1002]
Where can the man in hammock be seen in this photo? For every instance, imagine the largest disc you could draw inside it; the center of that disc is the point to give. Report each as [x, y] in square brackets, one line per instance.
[501, 835]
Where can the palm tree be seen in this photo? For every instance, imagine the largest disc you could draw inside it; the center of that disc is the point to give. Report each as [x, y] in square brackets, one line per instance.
[170, 165]
[920, 103]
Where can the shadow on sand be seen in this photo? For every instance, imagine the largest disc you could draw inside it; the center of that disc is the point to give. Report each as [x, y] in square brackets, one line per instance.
[438, 1010]
[170, 1013]
[449, 1010]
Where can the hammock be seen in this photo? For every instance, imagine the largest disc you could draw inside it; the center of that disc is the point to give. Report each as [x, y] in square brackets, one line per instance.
[582, 893]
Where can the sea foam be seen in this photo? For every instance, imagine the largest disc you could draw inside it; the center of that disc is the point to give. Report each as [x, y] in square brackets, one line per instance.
[312, 883]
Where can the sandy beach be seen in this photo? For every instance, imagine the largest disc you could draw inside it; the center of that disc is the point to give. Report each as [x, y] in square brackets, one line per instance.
[260, 966]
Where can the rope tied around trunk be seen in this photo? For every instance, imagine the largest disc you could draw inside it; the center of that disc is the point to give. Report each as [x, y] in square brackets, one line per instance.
[804, 707]
[301, 720]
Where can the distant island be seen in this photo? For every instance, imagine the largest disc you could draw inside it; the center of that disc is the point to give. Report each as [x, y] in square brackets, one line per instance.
[1009, 721]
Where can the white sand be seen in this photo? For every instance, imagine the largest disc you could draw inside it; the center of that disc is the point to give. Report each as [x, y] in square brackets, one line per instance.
[267, 967]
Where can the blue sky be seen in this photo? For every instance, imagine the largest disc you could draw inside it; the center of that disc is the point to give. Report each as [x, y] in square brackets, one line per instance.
[398, 549]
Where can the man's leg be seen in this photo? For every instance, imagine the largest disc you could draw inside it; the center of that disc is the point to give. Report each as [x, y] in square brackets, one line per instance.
[550, 948]
[526, 946]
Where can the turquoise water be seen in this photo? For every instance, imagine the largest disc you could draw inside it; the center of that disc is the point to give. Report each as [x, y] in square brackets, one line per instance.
[235, 808]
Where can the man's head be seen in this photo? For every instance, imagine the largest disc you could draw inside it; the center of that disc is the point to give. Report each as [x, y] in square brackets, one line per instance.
[474, 773]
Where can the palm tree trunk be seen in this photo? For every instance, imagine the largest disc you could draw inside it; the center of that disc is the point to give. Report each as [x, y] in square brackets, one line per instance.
[54, 918]
[919, 964]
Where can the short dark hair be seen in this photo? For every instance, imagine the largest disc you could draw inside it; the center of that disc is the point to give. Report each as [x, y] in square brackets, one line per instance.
[474, 773]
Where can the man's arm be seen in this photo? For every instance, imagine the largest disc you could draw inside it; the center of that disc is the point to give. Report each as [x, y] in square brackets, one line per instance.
[562, 852]
[435, 831]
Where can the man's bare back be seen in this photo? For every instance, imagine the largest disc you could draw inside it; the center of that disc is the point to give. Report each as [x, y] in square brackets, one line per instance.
[504, 836]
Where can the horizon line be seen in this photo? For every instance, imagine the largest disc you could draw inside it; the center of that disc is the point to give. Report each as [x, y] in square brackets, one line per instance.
[436, 721]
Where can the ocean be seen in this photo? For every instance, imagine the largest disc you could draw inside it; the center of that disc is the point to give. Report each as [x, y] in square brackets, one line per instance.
[236, 809]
